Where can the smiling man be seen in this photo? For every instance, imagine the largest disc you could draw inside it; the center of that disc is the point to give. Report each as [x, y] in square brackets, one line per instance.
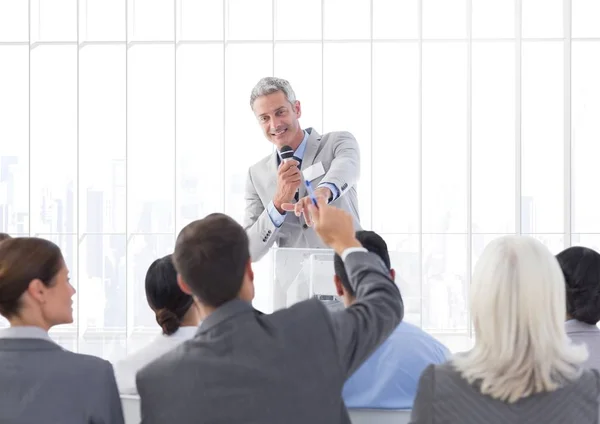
[276, 197]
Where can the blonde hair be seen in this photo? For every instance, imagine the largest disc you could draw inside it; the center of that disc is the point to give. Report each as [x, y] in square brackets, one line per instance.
[518, 310]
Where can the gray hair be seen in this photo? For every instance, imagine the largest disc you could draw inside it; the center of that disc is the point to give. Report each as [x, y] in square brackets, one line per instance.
[270, 85]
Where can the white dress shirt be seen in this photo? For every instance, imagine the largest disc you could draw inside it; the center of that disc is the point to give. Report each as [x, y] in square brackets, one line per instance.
[126, 369]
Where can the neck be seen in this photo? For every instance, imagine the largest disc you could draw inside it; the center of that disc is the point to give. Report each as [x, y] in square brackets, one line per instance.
[21, 322]
[297, 139]
[191, 317]
[204, 311]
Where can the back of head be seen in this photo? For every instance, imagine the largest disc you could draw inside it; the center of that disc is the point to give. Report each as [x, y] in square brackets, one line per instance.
[211, 255]
[23, 260]
[371, 241]
[165, 297]
[4, 236]
[518, 308]
[581, 269]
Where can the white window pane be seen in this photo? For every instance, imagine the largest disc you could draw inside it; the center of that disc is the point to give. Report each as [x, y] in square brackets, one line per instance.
[65, 334]
[14, 20]
[542, 18]
[554, 242]
[444, 137]
[396, 138]
[102, 131]
[14, 131]
[200, 160]
[102, 20]
[493, 18]
[142, 250]
[200, 20]
[151, 139]
[249, 20]
[53, 20]
[305, 77]
[405, 260]
[493, 138]
[296, 20]
[103, 296]
[444, 18]
[245, 143]
[591, 241]
[585, 15]
[346, 19]
[151, 20]
[347, 107]
[542, 132]
[585, 133]
[445, 289]
[54, 139]
[395, 19]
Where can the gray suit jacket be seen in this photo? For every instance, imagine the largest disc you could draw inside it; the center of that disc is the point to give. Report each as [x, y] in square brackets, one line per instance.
[339, 154]
[289, 367]
[445, 397]
[580, 332]
[42, 383]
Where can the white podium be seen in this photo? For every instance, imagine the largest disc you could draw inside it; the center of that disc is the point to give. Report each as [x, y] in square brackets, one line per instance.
[287, 276]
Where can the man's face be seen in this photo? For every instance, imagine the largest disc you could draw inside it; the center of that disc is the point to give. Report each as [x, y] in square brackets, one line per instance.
[278, 119]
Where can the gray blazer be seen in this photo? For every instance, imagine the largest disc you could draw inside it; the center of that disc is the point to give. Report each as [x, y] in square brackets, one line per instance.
[445, 397]
[580, 332]
[42, 383]
[289, 367]
[339, 154]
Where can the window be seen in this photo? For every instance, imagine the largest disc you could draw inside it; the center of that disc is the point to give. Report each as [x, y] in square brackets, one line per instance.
[127, 120]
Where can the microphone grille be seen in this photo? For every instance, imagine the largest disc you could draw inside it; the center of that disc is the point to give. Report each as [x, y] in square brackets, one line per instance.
[286, 152]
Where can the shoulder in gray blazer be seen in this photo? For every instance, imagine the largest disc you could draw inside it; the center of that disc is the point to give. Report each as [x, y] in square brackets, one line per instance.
[289, 367]
[582, 333]
[339, 154]
[42, 383]
[444, 396]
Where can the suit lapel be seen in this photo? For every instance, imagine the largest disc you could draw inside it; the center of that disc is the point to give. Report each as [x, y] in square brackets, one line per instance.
[272, 174]
[310, 152]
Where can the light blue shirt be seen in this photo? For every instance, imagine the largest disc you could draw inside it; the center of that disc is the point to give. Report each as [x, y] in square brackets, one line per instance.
[278, 218]
[389, 378]
[24, 332]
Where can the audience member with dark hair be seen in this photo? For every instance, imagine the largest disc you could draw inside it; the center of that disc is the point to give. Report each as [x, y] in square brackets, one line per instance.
[581, 268]
[4, 236]
[39, 381]
[389, 378]
[247, 367]
[176, 314]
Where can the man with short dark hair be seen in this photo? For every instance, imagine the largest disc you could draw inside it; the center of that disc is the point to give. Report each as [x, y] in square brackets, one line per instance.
[390, 377]
[246, 367]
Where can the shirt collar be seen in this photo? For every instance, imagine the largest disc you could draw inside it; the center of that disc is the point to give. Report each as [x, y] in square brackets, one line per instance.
[299, 152]
[186, 332]
[25, 332]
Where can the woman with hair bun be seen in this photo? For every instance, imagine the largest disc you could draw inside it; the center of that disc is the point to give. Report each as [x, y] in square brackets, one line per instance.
[176, 314]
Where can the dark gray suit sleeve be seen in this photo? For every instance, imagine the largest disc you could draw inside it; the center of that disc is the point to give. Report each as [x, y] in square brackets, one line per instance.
[362, 327]
[108, 403]
[422, 412]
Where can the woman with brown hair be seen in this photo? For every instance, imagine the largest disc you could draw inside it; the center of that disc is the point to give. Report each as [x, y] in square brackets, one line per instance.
[176, 314]
[41, 382]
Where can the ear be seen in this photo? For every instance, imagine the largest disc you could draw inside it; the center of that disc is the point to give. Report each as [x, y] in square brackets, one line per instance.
[297, 109]
[37, 290]
[339, 287]
[183, 285]
[393, 274]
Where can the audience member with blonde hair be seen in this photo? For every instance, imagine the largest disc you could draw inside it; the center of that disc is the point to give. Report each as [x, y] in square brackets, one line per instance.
[523, 367]
[581, 268]
[39, 381]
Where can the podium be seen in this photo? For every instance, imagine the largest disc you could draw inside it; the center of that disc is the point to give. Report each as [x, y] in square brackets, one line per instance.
[287, 276]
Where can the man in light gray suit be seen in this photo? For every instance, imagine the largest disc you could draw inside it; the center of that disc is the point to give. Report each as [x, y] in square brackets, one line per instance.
[581, 269]
[244, 367]
[275, 187]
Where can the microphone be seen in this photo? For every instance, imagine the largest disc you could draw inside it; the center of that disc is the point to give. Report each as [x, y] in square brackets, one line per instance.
[287, 153]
